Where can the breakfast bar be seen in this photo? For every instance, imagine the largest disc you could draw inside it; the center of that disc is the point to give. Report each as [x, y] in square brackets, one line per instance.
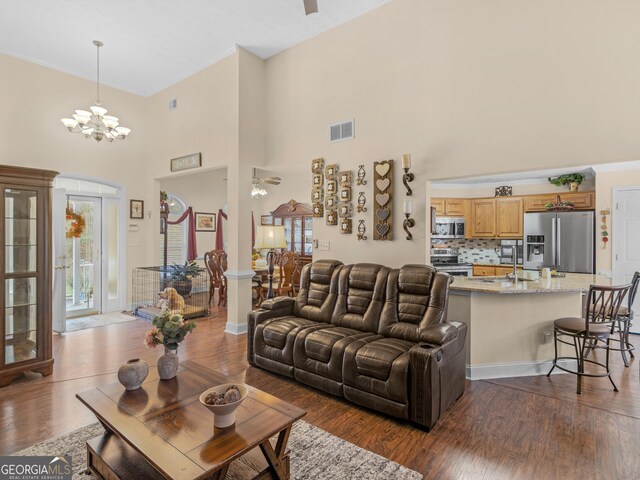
[510, 323]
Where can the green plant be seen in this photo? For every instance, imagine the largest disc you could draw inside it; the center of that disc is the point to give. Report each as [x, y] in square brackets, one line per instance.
[169, 330]
[188, 271]
[566, 179]
[163, 196]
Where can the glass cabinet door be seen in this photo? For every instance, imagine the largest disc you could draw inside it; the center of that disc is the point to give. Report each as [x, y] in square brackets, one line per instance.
[20, 272]
[287, 232]
[308, 236]
[297, 235]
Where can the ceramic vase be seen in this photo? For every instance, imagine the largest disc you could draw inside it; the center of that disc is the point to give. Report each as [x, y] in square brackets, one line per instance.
[133, 373]
[168, 364]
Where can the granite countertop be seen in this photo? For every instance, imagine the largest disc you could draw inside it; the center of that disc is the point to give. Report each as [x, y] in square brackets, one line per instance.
[573, 282]
[489, 264]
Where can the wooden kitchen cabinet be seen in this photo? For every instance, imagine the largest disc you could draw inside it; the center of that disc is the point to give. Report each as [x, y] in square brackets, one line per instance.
[439, 205]
[581, 200]
[484, 271]
[448, 207]
[483, 218]
[509, 217]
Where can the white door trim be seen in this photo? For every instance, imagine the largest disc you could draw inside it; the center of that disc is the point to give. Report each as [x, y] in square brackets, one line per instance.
[615, 246]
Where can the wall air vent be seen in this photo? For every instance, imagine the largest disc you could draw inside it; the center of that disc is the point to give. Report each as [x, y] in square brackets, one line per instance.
[342, 131]
[173, 104]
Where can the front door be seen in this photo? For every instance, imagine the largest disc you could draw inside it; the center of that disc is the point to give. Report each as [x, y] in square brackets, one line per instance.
[84, 257]
[626, 232]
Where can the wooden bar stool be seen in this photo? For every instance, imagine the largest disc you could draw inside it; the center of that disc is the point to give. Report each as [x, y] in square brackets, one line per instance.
[603, 305]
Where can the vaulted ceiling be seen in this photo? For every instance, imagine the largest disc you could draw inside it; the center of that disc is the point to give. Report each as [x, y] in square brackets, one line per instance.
[151, 44]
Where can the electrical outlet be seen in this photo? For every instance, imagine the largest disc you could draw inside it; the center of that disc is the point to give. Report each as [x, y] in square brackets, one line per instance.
[323, 245]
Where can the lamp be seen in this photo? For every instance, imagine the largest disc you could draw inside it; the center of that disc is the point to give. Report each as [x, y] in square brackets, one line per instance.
[270, 237]
[96, 124]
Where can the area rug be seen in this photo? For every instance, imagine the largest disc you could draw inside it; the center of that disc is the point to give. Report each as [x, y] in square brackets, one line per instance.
[94, 321]
[315, 455]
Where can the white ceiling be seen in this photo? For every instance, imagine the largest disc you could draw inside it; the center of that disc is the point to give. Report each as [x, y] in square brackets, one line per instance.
[151, 44]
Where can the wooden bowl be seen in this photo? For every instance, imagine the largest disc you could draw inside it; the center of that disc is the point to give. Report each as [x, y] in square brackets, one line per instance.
[224, 415]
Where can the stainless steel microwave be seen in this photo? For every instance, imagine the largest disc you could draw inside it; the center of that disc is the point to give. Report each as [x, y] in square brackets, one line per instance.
[449, 227]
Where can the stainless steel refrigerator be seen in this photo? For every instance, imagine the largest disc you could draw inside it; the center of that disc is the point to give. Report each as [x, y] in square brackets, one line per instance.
[563, 239]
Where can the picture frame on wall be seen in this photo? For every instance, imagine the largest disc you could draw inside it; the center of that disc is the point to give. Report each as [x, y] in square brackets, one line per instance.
[331, 202]
[187, 162]
[332, 217]
[346, 226]
[318, 180]
[331, 172]
[345, 194]
[332, 187]
[317, 195]
[346, 178]
[345, 210]
[317, 165]
[136, 209]
[266, 220]
[205, 222]
[318, 210]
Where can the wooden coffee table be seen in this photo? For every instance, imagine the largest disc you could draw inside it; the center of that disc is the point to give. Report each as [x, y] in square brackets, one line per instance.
[162, 431]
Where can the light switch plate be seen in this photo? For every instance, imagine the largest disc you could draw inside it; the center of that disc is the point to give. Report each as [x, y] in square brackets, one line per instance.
[323, 245]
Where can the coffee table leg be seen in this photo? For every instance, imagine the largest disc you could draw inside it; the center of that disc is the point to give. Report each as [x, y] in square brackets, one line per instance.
[220, 474]
[278, 459]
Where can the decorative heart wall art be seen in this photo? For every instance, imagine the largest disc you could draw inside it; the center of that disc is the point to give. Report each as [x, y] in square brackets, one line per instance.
[383, 200]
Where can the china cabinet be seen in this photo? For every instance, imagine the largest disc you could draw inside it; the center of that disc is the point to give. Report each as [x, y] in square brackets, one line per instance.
[25, 303]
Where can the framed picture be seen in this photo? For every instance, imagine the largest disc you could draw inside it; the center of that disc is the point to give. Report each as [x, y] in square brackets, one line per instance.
[331, 172]
[332, 187]
[317, 195]
[318, 210]
[205, 222]
[266, 220]
[331, 202]
[345, 210]
[332, 217]
[317, 165]
[136, 209]
[346, 225]
[345, 178]
[318, 180]
[277, 221]
[185, 163]
[345, 194]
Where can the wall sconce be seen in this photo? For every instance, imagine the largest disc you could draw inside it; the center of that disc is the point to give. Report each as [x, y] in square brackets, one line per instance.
[362, 202]
[361, 230]
[361, 174]
[407, 208]
[407, 177]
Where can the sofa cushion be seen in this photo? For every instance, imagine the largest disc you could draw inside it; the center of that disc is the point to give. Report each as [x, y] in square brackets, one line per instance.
[379, 366]
[317, 294]
[274, 338]
[416, 299]
[321, 350]
[361, 290]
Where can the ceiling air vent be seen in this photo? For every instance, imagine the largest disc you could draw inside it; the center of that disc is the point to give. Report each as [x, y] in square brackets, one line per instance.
[342, 131]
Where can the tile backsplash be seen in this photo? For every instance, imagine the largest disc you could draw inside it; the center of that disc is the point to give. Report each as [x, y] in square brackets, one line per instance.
[474, 250]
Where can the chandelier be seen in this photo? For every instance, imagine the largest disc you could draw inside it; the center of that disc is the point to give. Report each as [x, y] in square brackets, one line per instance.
[96, 123]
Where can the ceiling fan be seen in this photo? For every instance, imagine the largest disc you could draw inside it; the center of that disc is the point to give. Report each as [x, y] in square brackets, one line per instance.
[257, 190]
[310, 6]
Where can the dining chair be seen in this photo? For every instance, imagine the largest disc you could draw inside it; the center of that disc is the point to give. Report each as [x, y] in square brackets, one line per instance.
[216, 263]
[288, 264]
[603, 306]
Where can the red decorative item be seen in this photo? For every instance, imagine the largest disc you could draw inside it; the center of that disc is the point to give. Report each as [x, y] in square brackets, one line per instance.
[75, 224]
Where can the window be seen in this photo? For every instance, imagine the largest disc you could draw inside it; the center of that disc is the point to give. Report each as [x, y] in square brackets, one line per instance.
[176, 234]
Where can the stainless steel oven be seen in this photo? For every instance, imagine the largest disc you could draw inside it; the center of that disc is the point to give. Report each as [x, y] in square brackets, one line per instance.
[449, 227]
[446, 260]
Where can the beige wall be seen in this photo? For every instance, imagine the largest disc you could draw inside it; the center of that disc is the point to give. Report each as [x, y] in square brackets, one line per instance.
[33, 100]
[467, 87]
[478, 191]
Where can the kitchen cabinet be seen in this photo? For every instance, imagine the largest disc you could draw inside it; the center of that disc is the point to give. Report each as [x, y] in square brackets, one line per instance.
[448, 207]
[25, 260]
[581, 200]
[483, 218]
[484, 271]
[509, 217]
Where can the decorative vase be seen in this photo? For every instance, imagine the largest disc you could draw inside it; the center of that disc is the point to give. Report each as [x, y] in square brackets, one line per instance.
[168, 364]
[573, 186]
[133, 373]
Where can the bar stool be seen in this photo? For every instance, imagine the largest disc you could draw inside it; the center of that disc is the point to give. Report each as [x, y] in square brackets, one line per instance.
[622, 323]
[603, 305]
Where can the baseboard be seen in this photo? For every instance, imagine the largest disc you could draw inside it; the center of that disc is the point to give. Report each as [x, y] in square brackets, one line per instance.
[521, 369]
[235, 328]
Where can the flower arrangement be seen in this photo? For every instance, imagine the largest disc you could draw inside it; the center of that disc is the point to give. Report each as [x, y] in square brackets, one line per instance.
[75, 224]
[169, 330]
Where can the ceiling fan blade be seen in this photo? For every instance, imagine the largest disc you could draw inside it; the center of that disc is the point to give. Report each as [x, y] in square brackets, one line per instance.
[310, 6]
[275, 179]
[271, 181]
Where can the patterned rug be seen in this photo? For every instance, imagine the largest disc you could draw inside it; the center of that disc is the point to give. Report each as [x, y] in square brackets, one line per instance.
[93, 321]
[315, 455]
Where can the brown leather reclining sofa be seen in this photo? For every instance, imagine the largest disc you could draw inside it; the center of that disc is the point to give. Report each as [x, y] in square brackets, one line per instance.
[376, 336]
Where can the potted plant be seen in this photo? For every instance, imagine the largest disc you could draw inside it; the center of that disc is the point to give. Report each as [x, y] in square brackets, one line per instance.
[182, 276]
[572, 179]
[168, 330]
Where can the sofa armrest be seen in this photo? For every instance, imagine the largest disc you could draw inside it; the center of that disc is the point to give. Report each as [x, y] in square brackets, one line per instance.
[437, 372]
[279, 303]
[273, 308]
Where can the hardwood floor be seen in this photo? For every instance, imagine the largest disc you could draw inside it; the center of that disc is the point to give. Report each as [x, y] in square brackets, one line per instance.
[520, 428]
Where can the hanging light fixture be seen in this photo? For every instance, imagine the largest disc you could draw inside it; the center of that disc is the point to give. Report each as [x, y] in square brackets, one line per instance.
[96, 124]
[258, 191]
